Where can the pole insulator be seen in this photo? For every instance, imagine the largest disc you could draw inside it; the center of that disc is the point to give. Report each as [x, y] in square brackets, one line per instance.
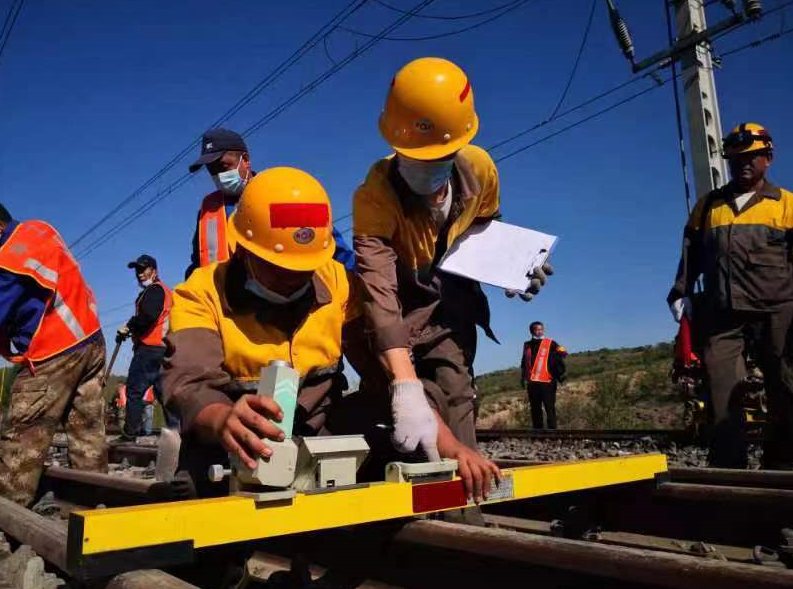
[753, 9]
[620, 28]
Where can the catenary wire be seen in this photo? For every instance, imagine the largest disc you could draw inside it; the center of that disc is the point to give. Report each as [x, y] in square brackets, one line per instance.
[7, 29]
[257, 89]
[510, 7]
[145, 207]
[581, 47]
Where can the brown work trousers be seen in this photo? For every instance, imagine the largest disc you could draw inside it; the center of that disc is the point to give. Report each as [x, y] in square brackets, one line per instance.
[726, 372]
[64, 390]
[443, 359]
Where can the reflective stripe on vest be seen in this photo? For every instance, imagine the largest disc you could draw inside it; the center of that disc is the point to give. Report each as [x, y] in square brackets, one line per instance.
[539, 370]
[212, 242]
[36, 250]
[155, 335]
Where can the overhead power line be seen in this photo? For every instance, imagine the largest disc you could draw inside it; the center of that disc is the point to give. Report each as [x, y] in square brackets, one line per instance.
[8, 24]
[577, 59]
[256, 126]
[325, 30]
[506, 9]
[448, 17]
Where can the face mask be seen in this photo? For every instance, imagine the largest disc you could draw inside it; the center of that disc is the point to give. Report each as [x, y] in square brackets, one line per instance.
[537, 336]
[230, 181]
[146, 283]
[256, 288]
[425, 178]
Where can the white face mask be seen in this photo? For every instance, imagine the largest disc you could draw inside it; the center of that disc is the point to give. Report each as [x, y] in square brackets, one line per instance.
[145, 283]
[257, 288]
[424, 178]
[537, 336]
[230, 182]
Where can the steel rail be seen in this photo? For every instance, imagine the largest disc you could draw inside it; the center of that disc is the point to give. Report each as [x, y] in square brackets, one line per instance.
[48, 540]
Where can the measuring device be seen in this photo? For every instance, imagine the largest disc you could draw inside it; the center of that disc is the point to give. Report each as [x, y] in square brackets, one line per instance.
[309, 484]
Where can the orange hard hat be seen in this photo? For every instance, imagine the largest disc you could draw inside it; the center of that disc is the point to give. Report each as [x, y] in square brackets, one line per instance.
[284, 217]
[429, 112]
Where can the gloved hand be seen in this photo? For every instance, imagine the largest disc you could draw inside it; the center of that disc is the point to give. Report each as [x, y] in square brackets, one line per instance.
[122, 334]
[681, 306]
[414, 421]
[538, 279]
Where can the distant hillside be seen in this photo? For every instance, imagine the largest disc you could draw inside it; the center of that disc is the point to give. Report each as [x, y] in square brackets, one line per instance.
[606, 388]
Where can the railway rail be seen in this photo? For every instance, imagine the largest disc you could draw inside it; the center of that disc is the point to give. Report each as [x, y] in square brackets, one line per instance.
[698, 528]
[661, 435]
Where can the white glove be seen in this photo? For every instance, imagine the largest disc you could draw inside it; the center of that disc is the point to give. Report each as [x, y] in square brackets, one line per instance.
[414, 422]
[681, 306]
[538, 279]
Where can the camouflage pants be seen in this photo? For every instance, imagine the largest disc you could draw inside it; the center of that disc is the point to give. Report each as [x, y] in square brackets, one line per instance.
[64, 390]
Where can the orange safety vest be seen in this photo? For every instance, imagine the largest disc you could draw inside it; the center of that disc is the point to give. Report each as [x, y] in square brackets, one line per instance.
[38, 251]
[212, 243]
[121, 400]
[148, 396]
[539, 370]
[155, 335]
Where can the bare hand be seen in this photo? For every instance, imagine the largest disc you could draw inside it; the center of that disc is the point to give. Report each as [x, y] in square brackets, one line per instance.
[476, 471]
[242, 426]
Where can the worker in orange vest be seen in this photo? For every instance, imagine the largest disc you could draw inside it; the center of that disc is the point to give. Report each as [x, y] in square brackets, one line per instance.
[541, 368]
[147, 328]
[49, 324]
[226, 157]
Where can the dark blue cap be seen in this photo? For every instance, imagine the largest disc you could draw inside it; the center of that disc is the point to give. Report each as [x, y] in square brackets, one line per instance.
[215, 143]
[143, 261]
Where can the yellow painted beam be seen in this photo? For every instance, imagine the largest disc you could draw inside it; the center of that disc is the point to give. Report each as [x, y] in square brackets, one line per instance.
[212, 522]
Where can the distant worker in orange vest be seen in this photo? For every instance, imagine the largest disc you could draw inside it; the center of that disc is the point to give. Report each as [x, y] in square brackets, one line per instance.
[147, 328]
[226, 157]
[541, 368]
[49, 324]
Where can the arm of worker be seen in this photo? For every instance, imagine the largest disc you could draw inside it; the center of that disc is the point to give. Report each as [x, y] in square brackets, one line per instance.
[148, 311]
[195, 383]
[17, 290]
[415, 423]
[476, 471]
[690, 266]
[523, 365]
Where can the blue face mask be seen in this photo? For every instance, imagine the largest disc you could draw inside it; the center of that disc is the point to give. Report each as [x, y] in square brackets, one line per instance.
[423, 177]
[230, 182]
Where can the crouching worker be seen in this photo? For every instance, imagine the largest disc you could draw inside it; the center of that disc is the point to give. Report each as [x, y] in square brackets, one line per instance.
[280, 296]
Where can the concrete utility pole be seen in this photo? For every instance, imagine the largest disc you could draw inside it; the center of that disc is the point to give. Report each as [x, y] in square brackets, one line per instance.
[702, 105]
[692, 50]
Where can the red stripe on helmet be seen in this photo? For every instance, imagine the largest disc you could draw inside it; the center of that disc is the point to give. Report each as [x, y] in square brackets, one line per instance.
[466, 90]
[299, 215]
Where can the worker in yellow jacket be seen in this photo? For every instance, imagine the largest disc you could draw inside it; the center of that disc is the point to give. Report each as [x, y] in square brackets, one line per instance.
[419, 322]
[280, 296]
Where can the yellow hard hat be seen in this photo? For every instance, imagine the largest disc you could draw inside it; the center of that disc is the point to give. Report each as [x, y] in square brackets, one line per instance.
[284, 217]
[429, 112]
[745, 138]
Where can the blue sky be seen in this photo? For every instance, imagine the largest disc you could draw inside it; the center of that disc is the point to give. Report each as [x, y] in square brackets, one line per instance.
[97, 96]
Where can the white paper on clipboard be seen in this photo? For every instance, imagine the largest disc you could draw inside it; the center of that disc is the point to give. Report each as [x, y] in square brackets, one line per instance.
[498, 254]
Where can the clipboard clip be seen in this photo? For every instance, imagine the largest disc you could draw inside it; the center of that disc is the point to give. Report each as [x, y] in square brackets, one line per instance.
[538, 260]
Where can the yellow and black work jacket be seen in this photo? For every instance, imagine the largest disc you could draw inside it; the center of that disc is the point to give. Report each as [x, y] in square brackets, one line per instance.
[398, 245]
[222, 335]
[744, 256]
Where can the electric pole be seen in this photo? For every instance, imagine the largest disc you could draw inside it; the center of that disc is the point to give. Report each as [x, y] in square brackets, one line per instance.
[692, 49]
[702, 105]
